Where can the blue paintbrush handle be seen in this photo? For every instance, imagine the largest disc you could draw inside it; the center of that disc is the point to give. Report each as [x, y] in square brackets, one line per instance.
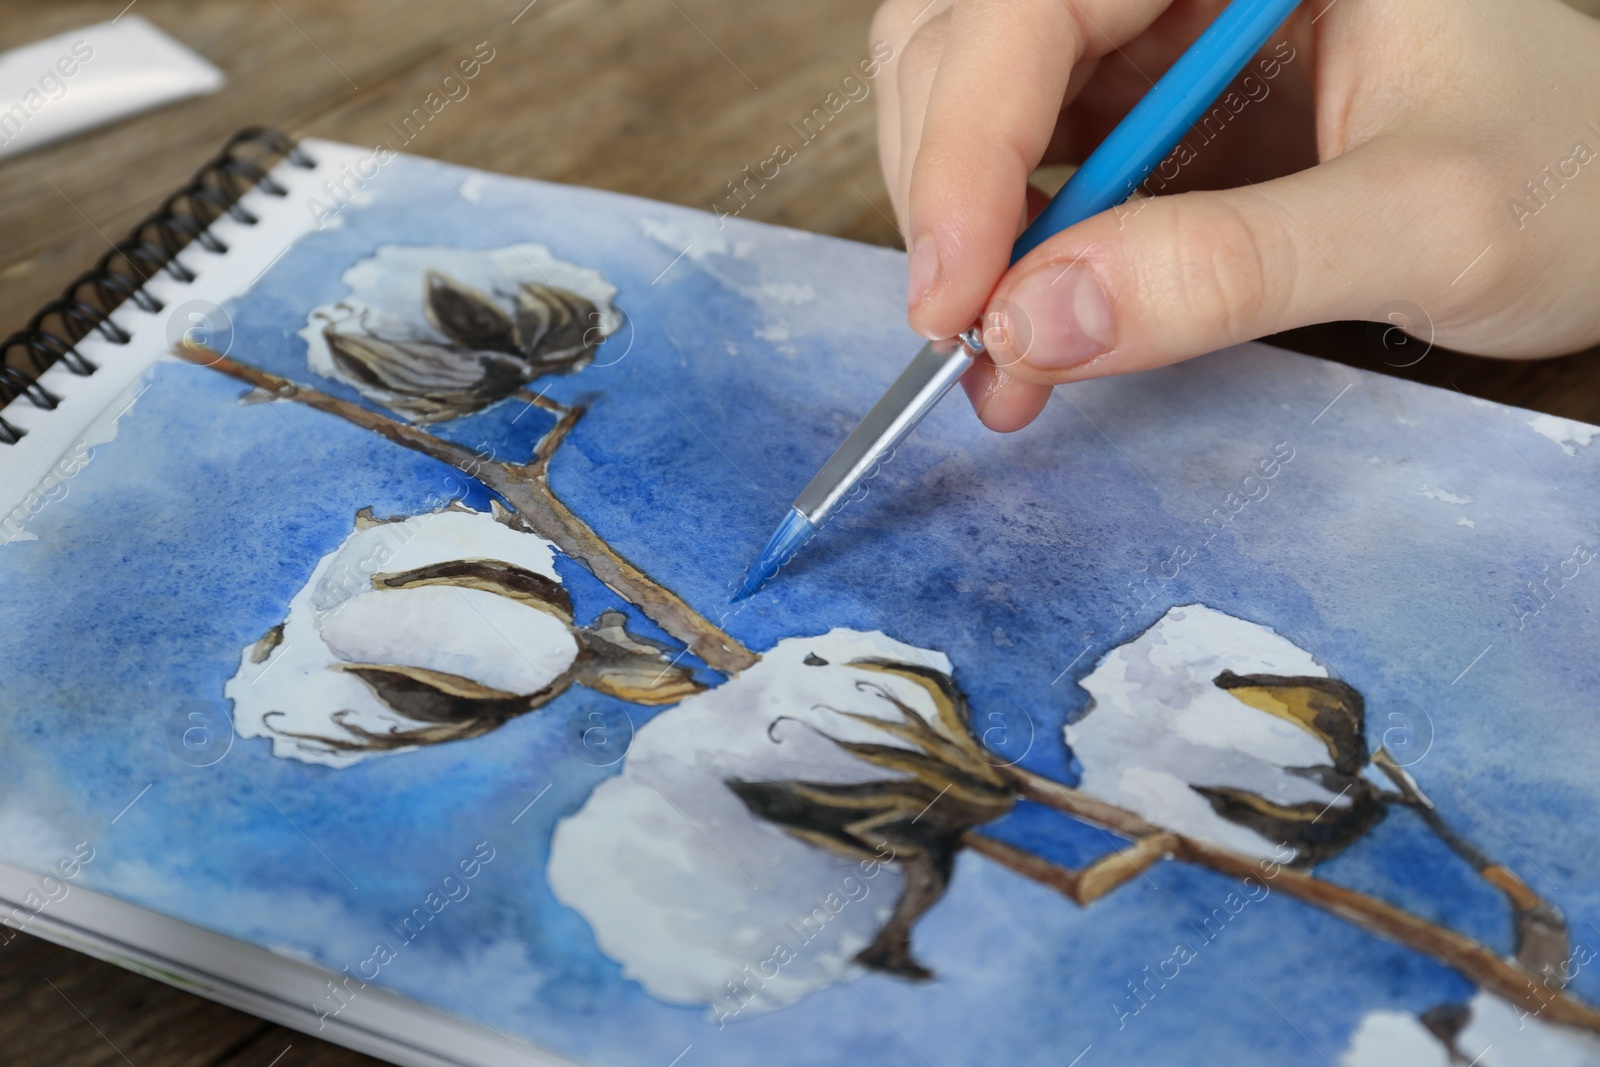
[1152, 129]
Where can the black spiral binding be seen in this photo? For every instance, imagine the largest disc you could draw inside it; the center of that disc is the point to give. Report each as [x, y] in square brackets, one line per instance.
[152, 247]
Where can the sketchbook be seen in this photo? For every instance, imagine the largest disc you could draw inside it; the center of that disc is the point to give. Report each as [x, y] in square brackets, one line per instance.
[367, 661]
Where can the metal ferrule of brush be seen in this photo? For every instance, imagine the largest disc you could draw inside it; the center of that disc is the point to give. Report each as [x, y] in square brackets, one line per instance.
[920, 386]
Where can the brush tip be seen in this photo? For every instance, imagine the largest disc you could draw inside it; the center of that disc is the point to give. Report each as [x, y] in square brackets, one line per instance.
[791, 534]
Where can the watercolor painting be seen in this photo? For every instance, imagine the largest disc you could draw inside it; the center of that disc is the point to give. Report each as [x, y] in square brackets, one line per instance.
[1235, 713]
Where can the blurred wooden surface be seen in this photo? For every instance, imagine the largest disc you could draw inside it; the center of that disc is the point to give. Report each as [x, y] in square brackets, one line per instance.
[663, 98]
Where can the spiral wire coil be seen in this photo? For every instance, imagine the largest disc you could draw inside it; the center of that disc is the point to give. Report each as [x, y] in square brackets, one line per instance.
[151, 248]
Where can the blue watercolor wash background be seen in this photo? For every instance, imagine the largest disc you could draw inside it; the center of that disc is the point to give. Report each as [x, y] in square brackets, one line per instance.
[749, 353]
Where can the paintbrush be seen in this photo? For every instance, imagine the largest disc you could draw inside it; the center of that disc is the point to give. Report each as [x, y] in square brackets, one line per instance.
[1109, 176]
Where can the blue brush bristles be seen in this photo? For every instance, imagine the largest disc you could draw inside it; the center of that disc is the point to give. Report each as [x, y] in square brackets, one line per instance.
[793, 532]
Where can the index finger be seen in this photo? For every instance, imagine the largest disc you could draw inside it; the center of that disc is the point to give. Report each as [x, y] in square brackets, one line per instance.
[991, 113]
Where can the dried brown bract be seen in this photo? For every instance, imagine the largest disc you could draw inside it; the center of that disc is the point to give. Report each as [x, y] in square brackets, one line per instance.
[486, 354]
[944, 786]
[1335, 714]
[423, 380]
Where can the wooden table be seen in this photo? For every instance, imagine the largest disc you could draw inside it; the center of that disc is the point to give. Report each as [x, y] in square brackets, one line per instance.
[664, 98]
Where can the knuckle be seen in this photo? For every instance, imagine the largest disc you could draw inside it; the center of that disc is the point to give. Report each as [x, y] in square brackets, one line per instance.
[1231, 268]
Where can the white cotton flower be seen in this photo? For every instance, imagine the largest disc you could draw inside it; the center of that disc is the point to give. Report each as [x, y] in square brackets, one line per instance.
[698, 899]
[434, 333]
[1160, 726]
[1496, 1034]
[296, 686]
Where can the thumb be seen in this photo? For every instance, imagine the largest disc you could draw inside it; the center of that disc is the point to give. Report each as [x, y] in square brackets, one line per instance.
[1160, 280]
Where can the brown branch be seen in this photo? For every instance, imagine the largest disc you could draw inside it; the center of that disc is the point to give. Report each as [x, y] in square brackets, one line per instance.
[1061, 879]
[528, 492]
[1081, 887]
[1480, 964]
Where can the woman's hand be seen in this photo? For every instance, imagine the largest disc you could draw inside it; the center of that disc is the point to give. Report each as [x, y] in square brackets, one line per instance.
[1440, 152]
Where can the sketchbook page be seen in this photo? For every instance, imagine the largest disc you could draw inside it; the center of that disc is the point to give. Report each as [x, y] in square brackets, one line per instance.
[1233, 713]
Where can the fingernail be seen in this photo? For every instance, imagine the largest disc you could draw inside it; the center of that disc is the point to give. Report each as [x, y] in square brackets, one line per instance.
[923, 259]
[1069, 316]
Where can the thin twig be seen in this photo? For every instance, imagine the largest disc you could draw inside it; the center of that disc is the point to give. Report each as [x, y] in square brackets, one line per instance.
[566, 418]
[1082, 887]
[1543, 942]
[1061, 879]
[1415, 799]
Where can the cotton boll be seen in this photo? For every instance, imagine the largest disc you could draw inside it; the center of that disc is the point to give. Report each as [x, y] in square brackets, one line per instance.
[1160, 725]
[454, 592]
[1496, 1034]
[434, 333]
[1392, 1039]
[687, 889]
[1502, 1034]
